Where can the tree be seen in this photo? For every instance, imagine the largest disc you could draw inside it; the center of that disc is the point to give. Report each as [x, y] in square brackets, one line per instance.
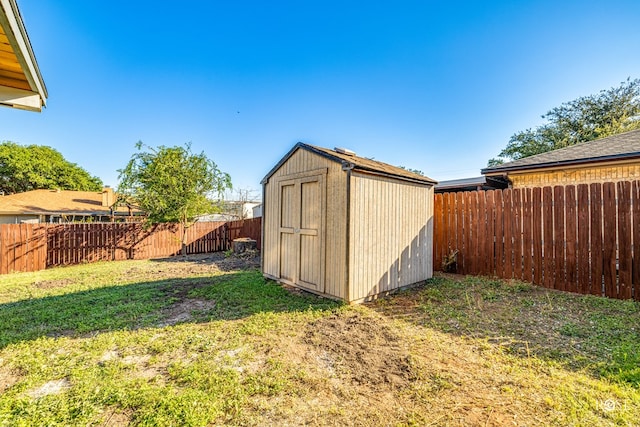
[32, 167]
[172, 184]
[610, 112]
[416, 171]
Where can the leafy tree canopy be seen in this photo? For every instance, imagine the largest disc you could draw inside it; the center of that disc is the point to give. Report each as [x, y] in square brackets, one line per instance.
[172, 184]
[32, 167]
[416, 171]
[609, 112]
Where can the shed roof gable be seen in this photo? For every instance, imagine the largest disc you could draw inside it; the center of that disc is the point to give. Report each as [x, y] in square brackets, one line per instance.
[355, 162]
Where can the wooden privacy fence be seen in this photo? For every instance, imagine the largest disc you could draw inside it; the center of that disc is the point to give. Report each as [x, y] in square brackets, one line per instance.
[583, 238]
[33, 247]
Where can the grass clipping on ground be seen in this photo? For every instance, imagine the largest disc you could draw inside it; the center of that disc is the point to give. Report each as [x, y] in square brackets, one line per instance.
[205, 340]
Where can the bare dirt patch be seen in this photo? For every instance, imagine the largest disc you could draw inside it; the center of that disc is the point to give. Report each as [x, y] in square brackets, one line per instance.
[52, 284]
[7, 379]
[116, 418]
[196, 264]
[183, 311]
[362, 348]
[50, 387]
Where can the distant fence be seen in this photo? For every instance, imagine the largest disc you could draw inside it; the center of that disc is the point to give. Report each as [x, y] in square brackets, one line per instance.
[33, 247]
[583, 238]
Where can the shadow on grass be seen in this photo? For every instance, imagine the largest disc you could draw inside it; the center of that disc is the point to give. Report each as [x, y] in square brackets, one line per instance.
[221, 261]
[580, 332]
[149, 304]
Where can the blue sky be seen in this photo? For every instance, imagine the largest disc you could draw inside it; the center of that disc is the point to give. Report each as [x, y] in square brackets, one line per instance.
[438, 86]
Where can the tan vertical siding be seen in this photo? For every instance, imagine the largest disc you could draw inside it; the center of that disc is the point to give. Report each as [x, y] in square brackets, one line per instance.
[335, 220]
[391, 228]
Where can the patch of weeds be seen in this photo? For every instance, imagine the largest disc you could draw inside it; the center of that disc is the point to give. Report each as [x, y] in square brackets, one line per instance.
[433, 294]
[247, 292]
[490, 295]
[438, 382]
[625, 364]
[580, 332]
[571, 329]
[522, 287]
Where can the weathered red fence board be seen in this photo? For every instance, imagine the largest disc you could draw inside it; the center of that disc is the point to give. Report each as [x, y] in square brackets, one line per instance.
[583, 238]
[558, 236]
[33, 247]
[583, 250]
[547, 223]
[508, 237]
[571, 223]
[609, 239]
[536, 237]
[499, 233]
[437, 231]
[624, 240]
[22, 247]
[595, 210]
[635, 201]
[527, 245]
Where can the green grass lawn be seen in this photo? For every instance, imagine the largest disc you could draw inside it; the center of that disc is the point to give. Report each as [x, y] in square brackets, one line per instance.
[207, 342]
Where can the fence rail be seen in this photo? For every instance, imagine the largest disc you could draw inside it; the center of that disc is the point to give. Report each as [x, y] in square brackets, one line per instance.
[583, 238]
[33, 247]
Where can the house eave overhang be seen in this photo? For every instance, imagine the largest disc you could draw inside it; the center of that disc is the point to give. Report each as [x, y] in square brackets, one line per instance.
[502, 171]
[19, 53]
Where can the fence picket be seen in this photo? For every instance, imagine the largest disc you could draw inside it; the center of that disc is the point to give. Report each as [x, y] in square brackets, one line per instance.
[527, 245]
[635, 202]
[536, 236]
[508, 236]
[609, 239]
[466, 242]
[558, 237]
[481, 227]
[490, 206]
[583, 248]
[571, 222]
[499, 233]
[624, 240]
[596, 282]
[438, 227]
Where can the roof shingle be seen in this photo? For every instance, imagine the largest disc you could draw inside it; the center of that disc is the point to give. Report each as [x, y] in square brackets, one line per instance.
[616, 147]
[359, 163]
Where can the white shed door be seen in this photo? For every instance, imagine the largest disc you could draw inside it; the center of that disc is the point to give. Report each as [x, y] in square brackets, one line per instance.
[301, 232]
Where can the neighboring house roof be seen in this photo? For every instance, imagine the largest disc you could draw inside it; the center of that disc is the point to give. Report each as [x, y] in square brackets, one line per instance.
[21, 84]
[623, 146]
[471, 184]
[356, 163]
[47, 202]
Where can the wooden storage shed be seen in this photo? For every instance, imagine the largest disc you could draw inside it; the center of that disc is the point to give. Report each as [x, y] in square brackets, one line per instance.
[344, 226]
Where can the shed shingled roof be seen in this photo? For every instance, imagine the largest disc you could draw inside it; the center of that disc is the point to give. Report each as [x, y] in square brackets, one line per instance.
[616, 147]
[359, 163]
